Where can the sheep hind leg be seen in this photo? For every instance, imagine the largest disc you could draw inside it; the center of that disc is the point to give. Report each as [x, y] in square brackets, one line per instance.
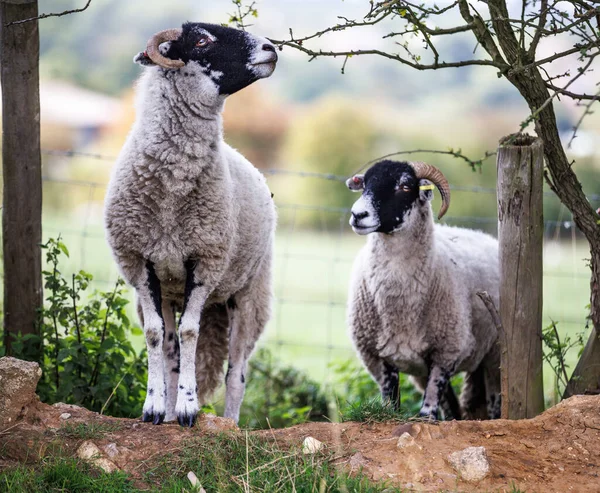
[473, 395]
[171, 358]
[390, 385]
[492, 378]
[211, 351]
[249, 311]
[437, 381]
[245, 329]
[449, 404]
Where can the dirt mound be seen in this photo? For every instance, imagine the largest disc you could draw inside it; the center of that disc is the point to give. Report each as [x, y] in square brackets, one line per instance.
[559, 451]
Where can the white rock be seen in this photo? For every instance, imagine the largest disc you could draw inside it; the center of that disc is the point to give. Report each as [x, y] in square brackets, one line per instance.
[311, 445]
[88, 450]
[65, 415]
[406, 440]
[111, 449]
[105, 465]
[195, 483]
[471, 463]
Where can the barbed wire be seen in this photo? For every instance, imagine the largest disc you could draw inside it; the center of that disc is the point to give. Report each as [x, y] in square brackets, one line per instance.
[267, 171]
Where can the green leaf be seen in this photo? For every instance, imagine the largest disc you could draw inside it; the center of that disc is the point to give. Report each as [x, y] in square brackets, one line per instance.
[63, 247]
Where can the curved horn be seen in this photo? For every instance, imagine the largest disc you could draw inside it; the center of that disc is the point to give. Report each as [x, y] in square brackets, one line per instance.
[428, 172]
[153, 52]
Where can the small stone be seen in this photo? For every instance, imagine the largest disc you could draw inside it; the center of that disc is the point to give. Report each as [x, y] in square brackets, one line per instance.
[65, 416]
[357, 460]
[471, 463]
[105, 465]
[111, 450]
[406, 440]
[195, 483]
[311, 445]
[88, 450]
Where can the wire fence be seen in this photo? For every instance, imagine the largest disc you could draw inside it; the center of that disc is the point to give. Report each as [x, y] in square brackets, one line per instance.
[314, 252]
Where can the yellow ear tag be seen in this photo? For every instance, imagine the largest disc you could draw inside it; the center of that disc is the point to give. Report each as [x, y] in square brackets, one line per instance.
[426, 187]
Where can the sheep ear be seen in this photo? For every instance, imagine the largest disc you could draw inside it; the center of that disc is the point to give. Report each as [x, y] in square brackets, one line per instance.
[356, 183]
[143, 59]
[426, 190]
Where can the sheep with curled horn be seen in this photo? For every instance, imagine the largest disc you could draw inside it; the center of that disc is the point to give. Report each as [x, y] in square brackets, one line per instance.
[412, 304]
[191, 222]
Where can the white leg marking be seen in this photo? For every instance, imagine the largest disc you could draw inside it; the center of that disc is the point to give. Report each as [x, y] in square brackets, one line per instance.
[170, 358]
[187, 407]
[154, 405]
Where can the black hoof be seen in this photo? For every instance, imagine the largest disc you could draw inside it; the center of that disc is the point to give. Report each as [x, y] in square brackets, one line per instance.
[186, 419]
[429, 416]
[153, 418]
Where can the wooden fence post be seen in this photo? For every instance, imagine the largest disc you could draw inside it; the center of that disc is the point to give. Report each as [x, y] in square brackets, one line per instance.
[520, 166]
[21, 170]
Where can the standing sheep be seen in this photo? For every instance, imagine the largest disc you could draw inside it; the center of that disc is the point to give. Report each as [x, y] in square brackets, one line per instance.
[191, 222]
[412, 304]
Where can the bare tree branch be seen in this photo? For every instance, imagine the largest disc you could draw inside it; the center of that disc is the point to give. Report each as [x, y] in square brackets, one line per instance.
[474, 163]
[45, 16]
[538, 34]
[585, 113]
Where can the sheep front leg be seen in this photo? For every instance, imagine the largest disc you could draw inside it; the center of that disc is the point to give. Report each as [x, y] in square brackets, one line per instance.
[149, 300]
[195, 297]
[171, 357]
[437, 381]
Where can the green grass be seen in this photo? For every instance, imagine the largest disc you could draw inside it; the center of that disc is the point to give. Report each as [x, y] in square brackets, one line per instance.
[372, 411]
[87, 431]
[227, 463]
[63, 475]
[223, 463]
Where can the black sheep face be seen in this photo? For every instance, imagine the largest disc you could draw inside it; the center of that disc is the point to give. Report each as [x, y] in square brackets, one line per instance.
[390, 191]
[233, 59]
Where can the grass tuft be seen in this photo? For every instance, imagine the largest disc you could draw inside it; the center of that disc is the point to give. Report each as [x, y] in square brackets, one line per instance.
[372, 411]
[233, 463]
[88, 431]
[63, 475]
[225, 463]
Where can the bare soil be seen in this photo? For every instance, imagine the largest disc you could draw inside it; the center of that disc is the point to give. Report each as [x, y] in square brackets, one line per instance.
[558, 451]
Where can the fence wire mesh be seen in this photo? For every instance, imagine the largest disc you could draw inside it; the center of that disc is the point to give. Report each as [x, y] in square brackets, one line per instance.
[313, 257]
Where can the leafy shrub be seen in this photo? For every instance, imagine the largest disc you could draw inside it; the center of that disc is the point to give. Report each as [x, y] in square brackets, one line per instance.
[88, 359]
[281, 393]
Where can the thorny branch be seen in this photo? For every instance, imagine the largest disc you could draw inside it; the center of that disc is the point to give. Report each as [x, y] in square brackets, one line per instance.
[586, 112]
[45, 16]
[457, 153]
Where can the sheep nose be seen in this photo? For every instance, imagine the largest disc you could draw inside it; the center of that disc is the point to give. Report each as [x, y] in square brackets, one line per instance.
[360, 215]
[268, 47]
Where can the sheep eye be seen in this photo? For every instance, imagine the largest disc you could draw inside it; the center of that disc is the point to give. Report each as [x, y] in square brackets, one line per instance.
[403, 188]
[202, 42]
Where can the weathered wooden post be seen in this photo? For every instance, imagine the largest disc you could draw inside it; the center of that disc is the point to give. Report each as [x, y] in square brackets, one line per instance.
[21, 170]
[520, 166]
